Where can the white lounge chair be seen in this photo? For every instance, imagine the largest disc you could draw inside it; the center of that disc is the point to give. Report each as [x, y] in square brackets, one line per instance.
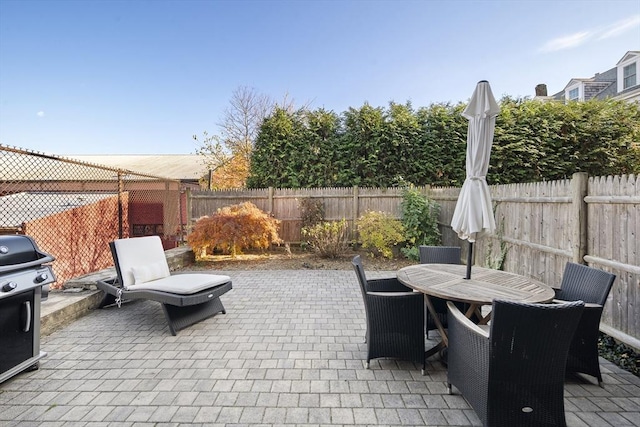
[143, 273]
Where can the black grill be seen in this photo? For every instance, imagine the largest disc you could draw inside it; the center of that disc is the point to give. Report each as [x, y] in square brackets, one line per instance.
[24, 280]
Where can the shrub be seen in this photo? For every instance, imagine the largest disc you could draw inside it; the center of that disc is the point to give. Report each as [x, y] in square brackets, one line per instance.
[311, 211]
[380, 232]
[420, 221]
[234, 228]
[619, 353]
[328, 238]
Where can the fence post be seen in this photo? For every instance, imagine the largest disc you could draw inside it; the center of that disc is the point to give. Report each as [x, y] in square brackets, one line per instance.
[271, 200]
[120, 218]
[188, 208]
[579, 187]
[356, 193]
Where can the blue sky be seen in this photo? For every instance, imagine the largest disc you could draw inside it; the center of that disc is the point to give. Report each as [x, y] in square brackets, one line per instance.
[142, 77]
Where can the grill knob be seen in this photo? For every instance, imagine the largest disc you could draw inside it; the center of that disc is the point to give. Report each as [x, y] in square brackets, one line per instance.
[9, 286]
[41, 277]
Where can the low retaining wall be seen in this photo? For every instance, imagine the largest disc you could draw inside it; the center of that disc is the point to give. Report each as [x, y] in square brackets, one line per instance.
[81, 295]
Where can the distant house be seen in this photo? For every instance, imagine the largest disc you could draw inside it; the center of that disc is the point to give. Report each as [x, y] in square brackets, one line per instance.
[619, 82]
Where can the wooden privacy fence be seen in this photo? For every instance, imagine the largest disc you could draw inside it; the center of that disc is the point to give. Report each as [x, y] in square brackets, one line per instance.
[540, 227]
[347, 203]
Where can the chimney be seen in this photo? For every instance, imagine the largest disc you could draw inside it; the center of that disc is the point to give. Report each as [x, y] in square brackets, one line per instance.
[541, 90]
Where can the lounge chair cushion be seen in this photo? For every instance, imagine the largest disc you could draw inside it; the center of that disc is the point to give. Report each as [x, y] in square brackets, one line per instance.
[140, 253]
[150, 272]
[189, 284]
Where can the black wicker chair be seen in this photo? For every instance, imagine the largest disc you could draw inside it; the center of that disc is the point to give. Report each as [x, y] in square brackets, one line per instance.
[591, 285]
[513, 373]
[439, 255]
[395, 318]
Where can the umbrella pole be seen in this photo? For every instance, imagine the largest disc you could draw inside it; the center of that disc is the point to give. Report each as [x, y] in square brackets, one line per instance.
[469, 260]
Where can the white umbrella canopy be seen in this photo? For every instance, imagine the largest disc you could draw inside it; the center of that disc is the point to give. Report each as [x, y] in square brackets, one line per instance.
[473, 215]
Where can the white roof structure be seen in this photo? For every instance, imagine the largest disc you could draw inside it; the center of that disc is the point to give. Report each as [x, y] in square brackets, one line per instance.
[28, 206]
[184, 167]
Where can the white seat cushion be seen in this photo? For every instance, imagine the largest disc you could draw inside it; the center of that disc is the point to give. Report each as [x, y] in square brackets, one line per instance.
[182, 284]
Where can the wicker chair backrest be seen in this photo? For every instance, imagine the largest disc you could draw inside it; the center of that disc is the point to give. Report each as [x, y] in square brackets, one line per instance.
[439, 254]
[581, 282]
[362, 279]
[529, 344]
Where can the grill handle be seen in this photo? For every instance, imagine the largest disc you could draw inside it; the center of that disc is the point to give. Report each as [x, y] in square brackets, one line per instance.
[27, 323]
[28, 264]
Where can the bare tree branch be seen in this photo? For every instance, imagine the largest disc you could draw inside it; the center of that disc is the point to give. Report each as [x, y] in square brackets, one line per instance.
[242, 119]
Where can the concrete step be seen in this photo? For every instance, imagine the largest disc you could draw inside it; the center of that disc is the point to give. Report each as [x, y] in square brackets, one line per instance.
[63, 307]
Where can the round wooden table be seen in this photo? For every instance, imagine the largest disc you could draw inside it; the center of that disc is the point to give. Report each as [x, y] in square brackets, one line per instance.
[447, 281]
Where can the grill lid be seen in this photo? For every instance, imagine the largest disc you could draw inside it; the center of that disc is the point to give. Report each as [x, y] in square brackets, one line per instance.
[19, 251]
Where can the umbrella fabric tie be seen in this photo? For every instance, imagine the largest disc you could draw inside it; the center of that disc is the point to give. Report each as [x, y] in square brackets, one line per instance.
[478, 178]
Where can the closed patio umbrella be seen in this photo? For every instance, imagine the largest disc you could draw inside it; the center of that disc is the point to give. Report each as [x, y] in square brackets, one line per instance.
[473, 215]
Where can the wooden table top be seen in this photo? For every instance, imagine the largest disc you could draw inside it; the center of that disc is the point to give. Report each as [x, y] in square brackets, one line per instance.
[447, 281]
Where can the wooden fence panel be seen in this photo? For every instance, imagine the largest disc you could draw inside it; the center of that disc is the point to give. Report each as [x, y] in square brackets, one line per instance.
[446, 197]
[533, 222]
[613, 245]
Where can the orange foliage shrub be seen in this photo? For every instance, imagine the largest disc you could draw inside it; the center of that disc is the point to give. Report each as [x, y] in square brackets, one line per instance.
[234, 228]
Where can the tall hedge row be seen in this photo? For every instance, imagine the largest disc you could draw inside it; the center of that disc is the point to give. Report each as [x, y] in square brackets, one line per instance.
[381, 147]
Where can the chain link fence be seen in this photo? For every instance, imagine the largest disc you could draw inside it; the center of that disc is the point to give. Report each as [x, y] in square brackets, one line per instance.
[74, 209]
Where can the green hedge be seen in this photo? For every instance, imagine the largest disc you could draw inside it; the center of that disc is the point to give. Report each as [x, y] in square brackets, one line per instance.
[382, 147]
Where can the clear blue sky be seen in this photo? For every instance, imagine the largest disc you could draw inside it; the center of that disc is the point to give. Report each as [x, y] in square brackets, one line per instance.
[142, 77]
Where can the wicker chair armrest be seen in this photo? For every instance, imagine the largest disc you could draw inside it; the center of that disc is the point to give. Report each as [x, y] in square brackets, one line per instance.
[393, 294]
[590, 319]
[390, 284]
[587, 306]
[464, 321]
[468, 356]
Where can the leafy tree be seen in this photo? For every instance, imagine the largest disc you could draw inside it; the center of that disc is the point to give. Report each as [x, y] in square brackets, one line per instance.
[276, 161]
[547, 141]
[442, 148]
[230, 152]
[321, 136]
[242, 119]
[401, 137]
[233, 174]
[362, 141]
[381, 147]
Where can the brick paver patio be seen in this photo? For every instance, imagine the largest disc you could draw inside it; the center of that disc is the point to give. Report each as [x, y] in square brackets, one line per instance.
[289, 351]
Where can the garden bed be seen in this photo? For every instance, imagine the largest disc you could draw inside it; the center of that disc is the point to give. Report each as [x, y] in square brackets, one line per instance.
[296, 259]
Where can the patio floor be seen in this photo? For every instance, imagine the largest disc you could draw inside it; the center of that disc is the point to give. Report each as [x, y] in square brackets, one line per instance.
[289, 351]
